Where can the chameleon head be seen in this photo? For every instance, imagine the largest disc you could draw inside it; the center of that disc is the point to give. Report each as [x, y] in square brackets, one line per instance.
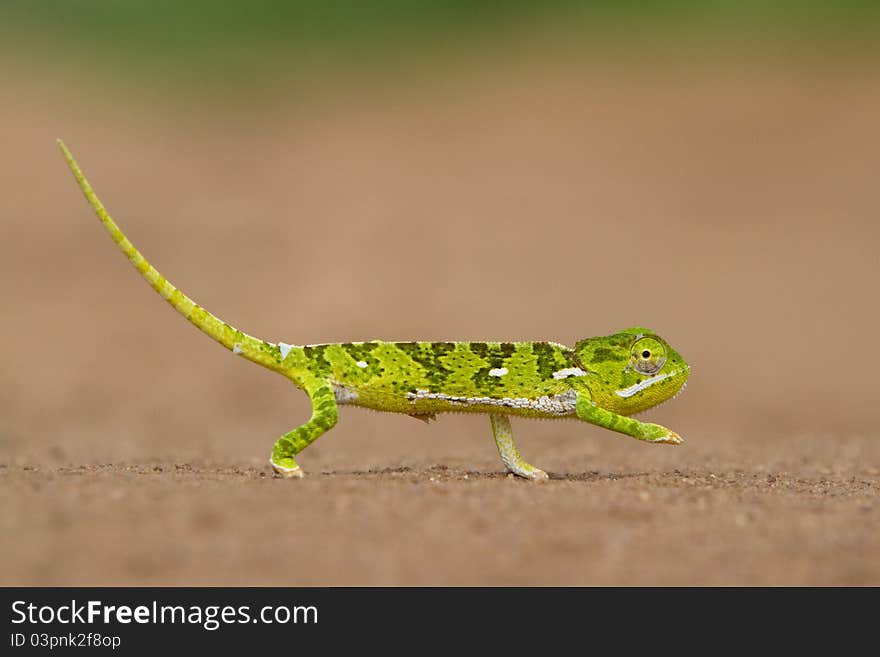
[631, 371]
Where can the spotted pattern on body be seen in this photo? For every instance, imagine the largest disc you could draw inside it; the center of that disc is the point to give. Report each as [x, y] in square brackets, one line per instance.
[602, 380]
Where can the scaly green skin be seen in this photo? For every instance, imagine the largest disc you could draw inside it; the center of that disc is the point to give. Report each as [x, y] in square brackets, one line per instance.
[602, 380]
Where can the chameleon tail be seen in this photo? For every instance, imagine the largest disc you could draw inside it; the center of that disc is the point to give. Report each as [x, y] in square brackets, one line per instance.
[254, 349]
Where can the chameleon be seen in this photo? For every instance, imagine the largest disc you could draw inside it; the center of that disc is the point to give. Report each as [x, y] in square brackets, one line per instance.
[601, 380]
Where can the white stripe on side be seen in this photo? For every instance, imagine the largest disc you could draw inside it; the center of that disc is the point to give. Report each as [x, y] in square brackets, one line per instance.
[647, 383]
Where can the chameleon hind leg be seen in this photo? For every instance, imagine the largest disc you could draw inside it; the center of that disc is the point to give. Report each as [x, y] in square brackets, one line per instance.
[508, 451]
[325, 412]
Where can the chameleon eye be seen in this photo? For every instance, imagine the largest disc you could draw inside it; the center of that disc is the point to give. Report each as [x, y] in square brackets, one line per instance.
[648, 356]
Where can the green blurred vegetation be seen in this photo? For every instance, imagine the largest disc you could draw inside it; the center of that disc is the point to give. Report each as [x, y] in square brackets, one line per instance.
[234, 42]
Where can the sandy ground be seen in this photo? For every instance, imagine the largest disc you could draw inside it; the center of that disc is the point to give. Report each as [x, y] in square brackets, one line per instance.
[731, 207]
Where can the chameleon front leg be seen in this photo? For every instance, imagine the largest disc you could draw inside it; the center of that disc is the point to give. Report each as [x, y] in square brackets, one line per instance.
[325, 412]
[508, 451]
[588, 411]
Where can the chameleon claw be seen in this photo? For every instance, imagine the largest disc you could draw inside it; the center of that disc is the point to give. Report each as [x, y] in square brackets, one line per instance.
[670, 438]
[539, 476]
[529, 472]
[288, 473]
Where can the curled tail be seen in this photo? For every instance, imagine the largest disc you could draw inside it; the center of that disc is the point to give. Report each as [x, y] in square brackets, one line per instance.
[254, 349]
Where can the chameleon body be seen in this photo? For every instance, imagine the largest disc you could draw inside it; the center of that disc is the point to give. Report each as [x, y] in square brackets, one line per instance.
[601, 380]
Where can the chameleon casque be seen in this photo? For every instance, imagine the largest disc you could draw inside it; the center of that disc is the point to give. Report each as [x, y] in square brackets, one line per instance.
[602, 380]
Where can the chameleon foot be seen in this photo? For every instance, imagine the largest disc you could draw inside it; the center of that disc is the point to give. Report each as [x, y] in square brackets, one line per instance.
[294, 472]
[533, 473]
[670, 438]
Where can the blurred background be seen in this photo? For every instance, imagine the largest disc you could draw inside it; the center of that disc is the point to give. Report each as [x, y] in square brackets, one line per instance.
[317, 171]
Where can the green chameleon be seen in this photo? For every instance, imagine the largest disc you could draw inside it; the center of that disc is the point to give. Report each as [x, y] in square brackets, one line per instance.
[602, 380]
